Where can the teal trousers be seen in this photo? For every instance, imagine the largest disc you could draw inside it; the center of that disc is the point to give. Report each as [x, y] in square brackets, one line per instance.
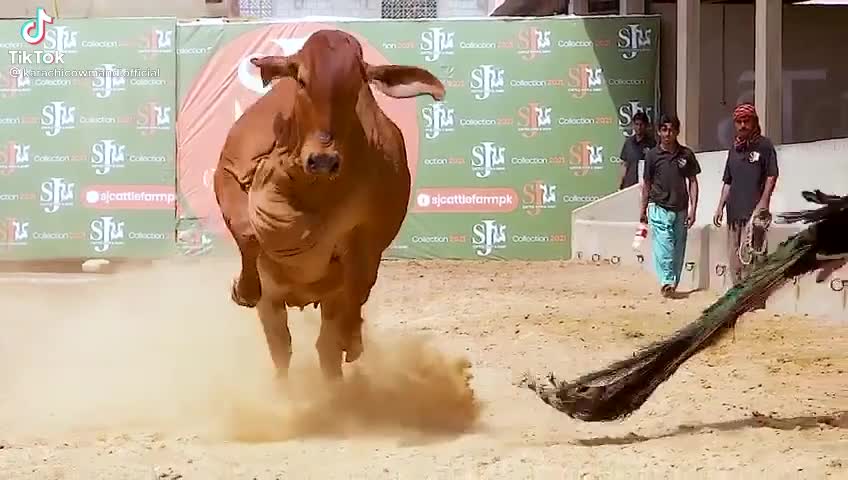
[668, 243]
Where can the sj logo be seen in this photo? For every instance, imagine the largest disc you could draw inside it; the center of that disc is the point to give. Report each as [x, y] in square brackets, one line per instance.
[13, 157]
[586, 156]
[14, 232]
[538, 195]
[487, 236]
[584, 79]
[534, 118]
[487, 157]
[486, 80]
[633, 39]
[436, 42]
[533, 42]
[152, 117]
[438, 118]
[106, 232]
[57, 116]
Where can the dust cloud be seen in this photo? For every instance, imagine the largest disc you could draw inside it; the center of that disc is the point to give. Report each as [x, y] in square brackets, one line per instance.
[163, 348]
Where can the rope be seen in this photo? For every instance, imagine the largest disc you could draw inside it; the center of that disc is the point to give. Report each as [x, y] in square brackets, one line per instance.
[760, 223]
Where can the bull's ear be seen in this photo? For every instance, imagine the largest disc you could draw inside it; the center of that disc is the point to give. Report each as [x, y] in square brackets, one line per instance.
[275, 66]
[402, 81]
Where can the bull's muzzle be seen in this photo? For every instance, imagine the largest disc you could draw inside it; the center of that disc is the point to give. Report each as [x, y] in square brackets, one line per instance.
[322, 164]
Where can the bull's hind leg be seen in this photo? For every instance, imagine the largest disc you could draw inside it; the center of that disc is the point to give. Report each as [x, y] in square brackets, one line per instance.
[274, 318]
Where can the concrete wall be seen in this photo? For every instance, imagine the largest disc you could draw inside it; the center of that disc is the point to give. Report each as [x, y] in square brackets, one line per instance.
[199, 8]
[603, 230]
[119, 8]
[372, 8]
[815, 75]
[803, 166]
[815, 99]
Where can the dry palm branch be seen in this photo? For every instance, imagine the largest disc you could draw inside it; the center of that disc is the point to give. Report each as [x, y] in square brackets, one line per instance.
[620, 389]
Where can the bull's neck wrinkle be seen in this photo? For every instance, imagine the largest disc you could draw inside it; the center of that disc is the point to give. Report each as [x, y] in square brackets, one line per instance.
[369, 113]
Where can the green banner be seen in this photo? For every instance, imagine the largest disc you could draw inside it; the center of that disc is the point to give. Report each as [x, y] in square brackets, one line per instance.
[87, 139]
[111, 129]
[531, 128]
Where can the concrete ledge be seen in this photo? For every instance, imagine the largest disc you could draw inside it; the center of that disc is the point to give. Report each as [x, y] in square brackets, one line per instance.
[621, 205]
[71, 265]
[603, 241]
[719, 274]
[597, 241]
[786, 299]
[603, 230]
[717, 268]
[48, 278]
[803, 296]
[696, 266]
[706, 265]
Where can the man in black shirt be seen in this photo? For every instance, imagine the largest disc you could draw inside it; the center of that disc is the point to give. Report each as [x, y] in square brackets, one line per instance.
[634, 150]
[750, 174]
[669, 201]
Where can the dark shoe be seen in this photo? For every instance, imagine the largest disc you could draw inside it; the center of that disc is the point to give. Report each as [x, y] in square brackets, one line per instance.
[245, 294]
[667, 291]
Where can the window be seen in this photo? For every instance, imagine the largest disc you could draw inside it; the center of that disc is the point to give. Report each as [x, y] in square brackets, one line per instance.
[256, 8]
[402, 9]
[603, 7]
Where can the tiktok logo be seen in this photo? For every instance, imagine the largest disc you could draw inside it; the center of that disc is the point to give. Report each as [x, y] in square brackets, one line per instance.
[33, 31]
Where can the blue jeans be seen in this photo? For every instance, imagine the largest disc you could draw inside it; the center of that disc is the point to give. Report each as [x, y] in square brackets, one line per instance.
[668, 242]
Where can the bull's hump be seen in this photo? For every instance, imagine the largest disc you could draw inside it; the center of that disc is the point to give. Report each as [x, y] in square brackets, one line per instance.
[252, 135]
[280, 99]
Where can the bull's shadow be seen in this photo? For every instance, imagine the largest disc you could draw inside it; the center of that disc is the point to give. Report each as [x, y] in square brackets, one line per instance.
[834, 420]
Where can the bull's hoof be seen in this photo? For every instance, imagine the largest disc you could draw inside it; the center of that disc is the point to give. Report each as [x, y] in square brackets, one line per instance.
[353, 350]
[242, 299]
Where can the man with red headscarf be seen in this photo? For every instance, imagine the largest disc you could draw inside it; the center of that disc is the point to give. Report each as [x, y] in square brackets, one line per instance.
[750, 175]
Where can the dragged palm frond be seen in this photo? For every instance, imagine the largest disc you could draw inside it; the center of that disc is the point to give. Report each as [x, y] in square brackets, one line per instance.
[621, 388]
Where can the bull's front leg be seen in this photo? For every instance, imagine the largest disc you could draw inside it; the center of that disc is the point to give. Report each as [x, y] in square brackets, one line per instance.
[274, 318]
[357, 287]
[350, 328]
[341, 310]
[360, 264]
[331, 338]
[233, 202]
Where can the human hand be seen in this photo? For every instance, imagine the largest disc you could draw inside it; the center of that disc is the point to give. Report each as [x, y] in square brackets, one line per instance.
[761, 206]
[690, 218]
[718, 216]
[643, 217]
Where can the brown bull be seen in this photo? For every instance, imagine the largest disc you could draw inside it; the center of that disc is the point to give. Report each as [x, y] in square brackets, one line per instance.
[313, 184]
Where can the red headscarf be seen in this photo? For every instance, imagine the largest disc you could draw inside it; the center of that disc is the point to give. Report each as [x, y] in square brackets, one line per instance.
[742, 111]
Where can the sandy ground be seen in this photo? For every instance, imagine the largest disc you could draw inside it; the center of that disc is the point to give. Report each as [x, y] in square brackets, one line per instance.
[155, 374]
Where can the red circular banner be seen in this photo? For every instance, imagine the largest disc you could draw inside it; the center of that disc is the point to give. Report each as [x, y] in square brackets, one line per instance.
[226, 86]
